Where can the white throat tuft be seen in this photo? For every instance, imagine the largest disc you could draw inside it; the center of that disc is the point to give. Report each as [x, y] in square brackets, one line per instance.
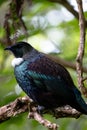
[16, 61]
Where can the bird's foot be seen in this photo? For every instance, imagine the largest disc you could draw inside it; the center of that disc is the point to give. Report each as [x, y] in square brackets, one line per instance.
[34, 108]
[40, 109]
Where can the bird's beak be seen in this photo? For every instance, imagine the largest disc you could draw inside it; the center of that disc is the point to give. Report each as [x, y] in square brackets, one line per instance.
[8, 48]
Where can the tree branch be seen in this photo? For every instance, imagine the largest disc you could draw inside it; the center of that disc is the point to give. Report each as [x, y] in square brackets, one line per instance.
[35, 115]
[80, 55]
[21, 105]
[14, 108]
[15, 15]
[66, 63]
[68, 6]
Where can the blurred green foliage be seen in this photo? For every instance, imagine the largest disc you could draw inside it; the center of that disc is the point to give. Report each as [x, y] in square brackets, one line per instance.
[46, 22]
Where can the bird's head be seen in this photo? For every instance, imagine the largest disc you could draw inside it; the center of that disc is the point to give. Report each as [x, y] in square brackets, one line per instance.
[19, 49]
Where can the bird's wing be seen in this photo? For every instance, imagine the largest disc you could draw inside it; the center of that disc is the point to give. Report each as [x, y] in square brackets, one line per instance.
[45, 66]
[49, 75]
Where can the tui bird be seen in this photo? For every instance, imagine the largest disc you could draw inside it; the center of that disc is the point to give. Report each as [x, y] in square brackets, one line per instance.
[48, 83]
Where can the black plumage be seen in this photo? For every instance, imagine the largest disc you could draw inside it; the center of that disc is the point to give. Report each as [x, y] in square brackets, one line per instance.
[48, 83]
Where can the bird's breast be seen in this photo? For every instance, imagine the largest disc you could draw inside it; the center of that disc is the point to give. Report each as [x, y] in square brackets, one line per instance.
[20, 74]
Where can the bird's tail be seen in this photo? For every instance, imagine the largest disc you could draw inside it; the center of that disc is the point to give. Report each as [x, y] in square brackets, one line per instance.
[80, 105]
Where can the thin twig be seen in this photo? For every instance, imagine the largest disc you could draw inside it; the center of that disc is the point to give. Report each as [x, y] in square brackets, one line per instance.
[35, 115]
[80, 55]
[7, 28]
[85, 78]
[68, 6]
